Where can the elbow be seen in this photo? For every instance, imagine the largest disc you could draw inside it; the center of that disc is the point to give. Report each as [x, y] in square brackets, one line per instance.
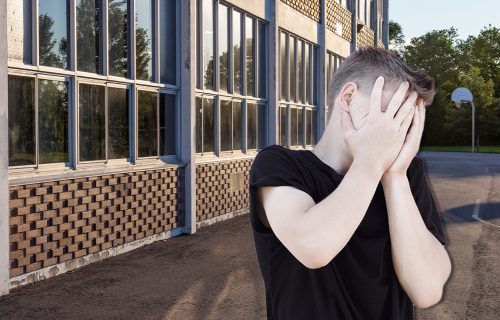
[428, 299]
[314, 256]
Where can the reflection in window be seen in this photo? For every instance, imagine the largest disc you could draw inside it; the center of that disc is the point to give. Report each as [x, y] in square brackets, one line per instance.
[199, 125]
[300, 70]
[21, 121]
[167, 124]
[118, 133]
[283, 125]
[226, 130]
[307, 62]
[293, 126]
[19, 30]
[237, 125]
[250, 61]
[53, 121]
[208, 125]
[252, 126]
[92, 122]
[223, 48]
[261, 116]
[118, 37]
[208, 45]
[147, 123]
[53, 33]
[237, 53]
[88, 26]
[262, 60]
[144, 39]
[168, 41]
[283, 65]
[292, 77]
[300, 122]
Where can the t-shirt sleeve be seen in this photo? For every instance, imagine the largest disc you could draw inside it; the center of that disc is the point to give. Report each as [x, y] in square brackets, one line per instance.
[425, 200]
[273, 167]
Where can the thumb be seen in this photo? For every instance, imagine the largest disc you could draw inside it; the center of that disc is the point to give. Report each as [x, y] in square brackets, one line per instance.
[347, 125]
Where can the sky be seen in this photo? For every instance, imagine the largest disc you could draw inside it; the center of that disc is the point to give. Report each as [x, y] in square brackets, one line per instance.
[417, 17]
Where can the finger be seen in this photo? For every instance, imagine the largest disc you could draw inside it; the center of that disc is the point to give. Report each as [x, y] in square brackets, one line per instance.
[407, 121]
[397, 99]
[407, 106]
[415, 125]
[376, 96]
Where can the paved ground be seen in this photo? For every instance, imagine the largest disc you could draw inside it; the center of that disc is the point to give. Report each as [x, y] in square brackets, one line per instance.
[214, 274]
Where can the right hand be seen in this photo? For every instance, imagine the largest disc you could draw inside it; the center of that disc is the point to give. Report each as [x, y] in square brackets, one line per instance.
[378, 142]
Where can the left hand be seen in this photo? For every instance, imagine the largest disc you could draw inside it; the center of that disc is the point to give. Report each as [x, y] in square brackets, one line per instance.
[411, 144]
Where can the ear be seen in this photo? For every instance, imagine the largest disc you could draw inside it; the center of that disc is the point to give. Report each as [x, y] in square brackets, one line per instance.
[346, 95]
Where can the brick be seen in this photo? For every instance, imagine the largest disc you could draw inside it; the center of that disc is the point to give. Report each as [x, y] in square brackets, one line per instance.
[34, 266]
[49, 262]
[80, 253]
[13, 272]
[66, 257]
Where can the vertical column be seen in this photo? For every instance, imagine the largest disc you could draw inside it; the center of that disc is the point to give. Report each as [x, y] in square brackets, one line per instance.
[322, 72]
[354, 24]
[374, 17]
[187, 42]
[385, 26]
[4, 156]
[272, 7]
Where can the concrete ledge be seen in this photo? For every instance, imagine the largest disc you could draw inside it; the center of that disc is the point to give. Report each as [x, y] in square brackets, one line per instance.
[223, 217]
[66, 266]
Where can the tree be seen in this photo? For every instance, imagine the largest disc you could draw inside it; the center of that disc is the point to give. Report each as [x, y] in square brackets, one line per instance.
[396, 37]
[47, 54]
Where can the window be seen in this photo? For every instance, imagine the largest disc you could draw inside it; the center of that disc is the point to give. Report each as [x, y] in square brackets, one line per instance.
[19, 28]
[232, 86]
[298, 97]
[118, 33]
[333, 62]
[88, 35]
[144, 40]
[45, 97]
[92, 122]
[53, 33]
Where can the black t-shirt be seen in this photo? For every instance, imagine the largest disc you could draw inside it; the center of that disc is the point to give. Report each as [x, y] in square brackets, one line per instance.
[360, 282]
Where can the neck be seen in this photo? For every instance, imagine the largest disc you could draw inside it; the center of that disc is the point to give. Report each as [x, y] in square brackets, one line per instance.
[331, 148]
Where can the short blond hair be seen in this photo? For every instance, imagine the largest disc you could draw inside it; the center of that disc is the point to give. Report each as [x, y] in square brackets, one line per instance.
[366, 64]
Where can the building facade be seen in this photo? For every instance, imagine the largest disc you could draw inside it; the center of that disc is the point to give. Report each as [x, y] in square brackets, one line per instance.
[129, 121]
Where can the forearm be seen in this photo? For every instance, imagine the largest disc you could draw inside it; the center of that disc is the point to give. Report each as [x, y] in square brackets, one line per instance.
[336, 217]
[420, 261]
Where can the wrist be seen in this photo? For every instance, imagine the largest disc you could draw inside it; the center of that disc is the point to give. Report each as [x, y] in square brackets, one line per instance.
[388, 177]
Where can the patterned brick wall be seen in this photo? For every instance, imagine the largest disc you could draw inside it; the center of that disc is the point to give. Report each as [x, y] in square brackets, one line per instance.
[56, 221]
[221, 187]
[366, 37]
[338, 17]
[310, 8]
[380, 44]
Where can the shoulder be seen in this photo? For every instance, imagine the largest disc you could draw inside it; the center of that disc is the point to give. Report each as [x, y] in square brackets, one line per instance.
[270, 154]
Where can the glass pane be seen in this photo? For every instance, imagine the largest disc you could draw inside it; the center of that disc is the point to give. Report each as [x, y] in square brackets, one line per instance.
[308, 73]
[262, 126]
[167, 124]
[223, 48]
[328, 74]
[314, 62]
[199, 125]
[314, 123]
[147, 138]
[53, 121]
[21, 121]
[53, 33]
[237, 45]
[283, 125]
[300, 71]
[88, 42]
[293, 126]
[168, 41]
[118, 127]
[92, 122]
[19, 30]
[252, 126]
[262, 60]
[144, 39]
[226, 130]
[284, 65]
[300, 126]
[249, 55]
[237, 125]
[208, 125]
[293, 79]
[118, 37]
[208, 45]
[308, 126]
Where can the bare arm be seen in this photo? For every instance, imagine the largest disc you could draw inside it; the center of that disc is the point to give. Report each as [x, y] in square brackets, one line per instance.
[315, 233]
[421, 262]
